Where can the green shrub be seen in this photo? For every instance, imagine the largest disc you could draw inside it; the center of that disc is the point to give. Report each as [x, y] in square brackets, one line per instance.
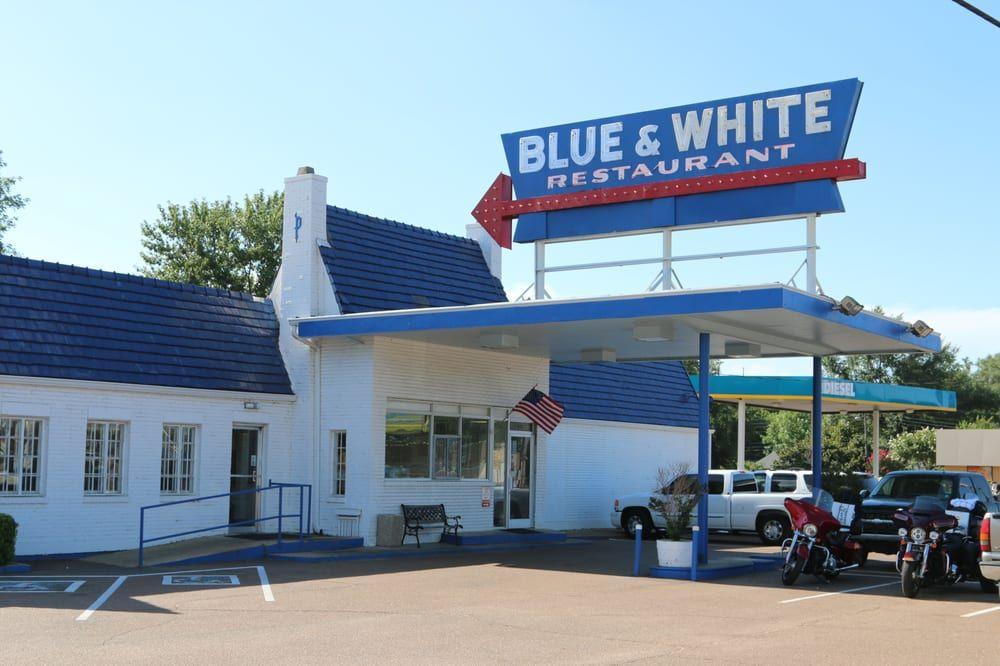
[8, 535]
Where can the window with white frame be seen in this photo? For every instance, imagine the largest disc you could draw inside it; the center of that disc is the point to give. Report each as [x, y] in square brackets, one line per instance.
[103, 458]
[20, 456]
[438, 441]
[339, 463]
[177, 459]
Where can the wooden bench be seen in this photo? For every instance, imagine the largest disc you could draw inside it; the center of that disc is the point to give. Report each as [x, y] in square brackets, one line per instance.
[416, 517]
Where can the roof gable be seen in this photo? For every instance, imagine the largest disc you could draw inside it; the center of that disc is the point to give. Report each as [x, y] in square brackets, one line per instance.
[68, 322]
[651, 392]
[377, 264]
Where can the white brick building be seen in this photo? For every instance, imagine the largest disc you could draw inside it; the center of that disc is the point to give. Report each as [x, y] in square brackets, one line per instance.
[118, 392]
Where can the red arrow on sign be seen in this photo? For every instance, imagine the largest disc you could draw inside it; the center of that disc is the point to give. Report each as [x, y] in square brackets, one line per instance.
[498, 207]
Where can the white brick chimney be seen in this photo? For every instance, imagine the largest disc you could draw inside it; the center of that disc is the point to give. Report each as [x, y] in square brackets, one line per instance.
[303, 288]
[492, 251]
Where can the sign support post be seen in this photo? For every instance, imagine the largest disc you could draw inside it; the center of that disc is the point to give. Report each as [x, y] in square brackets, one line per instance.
[668, 278]
[539, 270]
[811, 253]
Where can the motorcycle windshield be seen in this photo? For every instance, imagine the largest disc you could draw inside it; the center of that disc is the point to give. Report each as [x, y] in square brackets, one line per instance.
[824, 500]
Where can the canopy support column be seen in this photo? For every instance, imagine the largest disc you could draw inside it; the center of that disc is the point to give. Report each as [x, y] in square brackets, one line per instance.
[704, 443]
[741, 434]
[817, 425]
[876, 443]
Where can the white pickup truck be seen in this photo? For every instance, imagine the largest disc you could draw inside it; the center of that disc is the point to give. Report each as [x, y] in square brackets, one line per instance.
[989, 542]
[737, 502]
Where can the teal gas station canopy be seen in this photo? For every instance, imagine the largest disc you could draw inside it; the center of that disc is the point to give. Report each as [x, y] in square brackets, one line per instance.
[839, 395]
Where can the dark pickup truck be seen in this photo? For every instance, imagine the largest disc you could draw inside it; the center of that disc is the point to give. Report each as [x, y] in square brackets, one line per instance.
[874, 527]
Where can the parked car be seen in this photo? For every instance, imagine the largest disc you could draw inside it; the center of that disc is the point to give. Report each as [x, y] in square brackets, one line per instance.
[898, 490]
[736, 503]
[989, 543]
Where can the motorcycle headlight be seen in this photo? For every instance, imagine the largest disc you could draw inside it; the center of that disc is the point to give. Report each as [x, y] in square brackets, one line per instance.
[918, 534]
[934, 536]
[902, 532]
[809, 530]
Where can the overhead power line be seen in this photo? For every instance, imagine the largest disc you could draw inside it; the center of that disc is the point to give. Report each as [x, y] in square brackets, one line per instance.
[978, 12]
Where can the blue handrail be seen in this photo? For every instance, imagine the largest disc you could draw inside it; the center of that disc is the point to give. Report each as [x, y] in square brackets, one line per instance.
[305, 511]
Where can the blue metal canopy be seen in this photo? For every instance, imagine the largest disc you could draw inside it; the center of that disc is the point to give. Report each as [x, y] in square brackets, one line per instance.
[776, 320]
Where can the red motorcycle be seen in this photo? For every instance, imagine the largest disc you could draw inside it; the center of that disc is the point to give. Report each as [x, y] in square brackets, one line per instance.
[820, 545]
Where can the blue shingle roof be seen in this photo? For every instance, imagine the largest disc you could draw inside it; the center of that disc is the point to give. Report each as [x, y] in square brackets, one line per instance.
[67, 322]
[653, 392]
[378, 264]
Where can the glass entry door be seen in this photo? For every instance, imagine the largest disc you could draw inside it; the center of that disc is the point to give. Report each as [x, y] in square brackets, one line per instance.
[512, 460]
[244, 476]
[519, 476]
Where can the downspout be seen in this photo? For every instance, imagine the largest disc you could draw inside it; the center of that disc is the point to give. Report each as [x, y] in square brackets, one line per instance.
[316, 365]
[317, 407]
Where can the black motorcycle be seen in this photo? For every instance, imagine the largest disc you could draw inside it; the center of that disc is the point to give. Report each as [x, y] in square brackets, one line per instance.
[934, 549]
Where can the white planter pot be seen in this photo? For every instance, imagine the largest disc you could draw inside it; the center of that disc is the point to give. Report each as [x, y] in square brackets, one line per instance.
[673, 553]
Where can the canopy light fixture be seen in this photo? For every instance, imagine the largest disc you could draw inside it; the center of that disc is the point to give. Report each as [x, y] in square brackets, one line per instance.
[849, 306]
[653, 332]
[920, 328]
[498, 341]
[598, 355]
[739, 349]
[250, 404]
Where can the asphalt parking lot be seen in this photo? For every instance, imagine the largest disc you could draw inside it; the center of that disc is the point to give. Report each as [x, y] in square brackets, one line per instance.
[553, 604]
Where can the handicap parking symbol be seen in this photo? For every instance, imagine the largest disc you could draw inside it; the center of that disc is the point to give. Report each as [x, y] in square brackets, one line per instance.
[36, 586]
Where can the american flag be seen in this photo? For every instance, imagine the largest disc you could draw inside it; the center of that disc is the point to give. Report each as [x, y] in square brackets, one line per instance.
[543, 411]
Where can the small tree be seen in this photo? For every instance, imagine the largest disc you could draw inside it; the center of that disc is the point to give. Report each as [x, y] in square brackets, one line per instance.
[914, 450]
[223, 244]
[10, 203]
[675, 497]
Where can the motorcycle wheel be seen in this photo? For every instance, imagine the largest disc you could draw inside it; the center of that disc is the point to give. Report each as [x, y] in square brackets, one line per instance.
[910, 574]
[791, 569]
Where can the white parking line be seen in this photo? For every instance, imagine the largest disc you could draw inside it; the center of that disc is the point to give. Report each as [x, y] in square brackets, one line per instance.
[831, 594]
[265, 584]
[85, 615]
[982, 612]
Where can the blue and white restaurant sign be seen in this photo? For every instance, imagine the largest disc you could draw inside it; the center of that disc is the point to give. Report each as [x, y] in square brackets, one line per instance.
[796, 126]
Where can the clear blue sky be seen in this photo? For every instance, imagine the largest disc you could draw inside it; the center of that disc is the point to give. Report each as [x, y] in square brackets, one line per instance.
[108, 109]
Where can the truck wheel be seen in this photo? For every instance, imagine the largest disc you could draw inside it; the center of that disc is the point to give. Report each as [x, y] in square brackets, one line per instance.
[773, 528]
[910, 574]
[633, 517]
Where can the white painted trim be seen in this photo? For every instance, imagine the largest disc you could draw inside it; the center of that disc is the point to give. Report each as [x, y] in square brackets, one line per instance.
[51, 382]
[633, 426]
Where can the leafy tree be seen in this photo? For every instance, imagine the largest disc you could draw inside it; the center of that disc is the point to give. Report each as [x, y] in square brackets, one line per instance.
[914, 450]
[988, 370]
[979, 423]
[691, 366]
[978, 393]
[221, 244]
[10, 203]
[845, 444]
[788, 435]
